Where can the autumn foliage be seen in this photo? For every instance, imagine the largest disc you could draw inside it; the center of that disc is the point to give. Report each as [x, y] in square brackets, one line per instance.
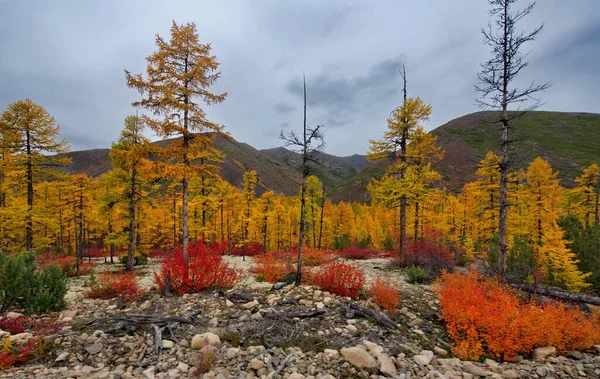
[270, 268]
[385, 294]
[340, 278]
[430, 255]
[206, 270]
[110, 285]
[485, 319]
[67, 264]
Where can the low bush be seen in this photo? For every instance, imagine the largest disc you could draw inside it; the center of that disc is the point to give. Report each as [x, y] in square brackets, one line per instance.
[485, 319]
[269, 268]
[206, 270]
[139, 259]
[248, 249]
[110, 285]
[432, 257]
[340, 278]
[417, 275]
[314, 257]
[67, 264]
[24, 284]
[11, 356]
[385, 294]
[353, 252]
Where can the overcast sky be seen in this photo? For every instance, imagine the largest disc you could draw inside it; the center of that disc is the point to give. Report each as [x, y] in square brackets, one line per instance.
[69, 56]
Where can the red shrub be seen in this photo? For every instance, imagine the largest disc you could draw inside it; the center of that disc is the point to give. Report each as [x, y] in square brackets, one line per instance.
[314, 257]
[249, 250]
[206, 270]
[353, 252]
[340, 278]
[385, 294]
[110, 285]
[95, 252]
[14, 325]
[269, 268]
[430, 256]
[16, 355]
[67, 264]
[483, 318]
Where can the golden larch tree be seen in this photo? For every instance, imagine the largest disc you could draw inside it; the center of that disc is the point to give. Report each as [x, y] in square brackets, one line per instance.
[178, 78]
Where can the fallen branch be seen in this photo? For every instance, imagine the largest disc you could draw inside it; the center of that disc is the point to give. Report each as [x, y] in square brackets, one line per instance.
[276, 314]
[281, 366]
[559, 294]
[137, 319]
[358, 310]
[157, 339]
[278, 286]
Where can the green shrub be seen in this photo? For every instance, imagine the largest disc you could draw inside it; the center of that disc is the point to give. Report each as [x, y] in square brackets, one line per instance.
[417, 275]
[23, 284]
[140, 259]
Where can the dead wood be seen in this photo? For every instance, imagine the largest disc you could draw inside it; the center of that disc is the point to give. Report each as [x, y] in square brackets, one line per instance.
[353, 310]
[277, 314]
[559, 294]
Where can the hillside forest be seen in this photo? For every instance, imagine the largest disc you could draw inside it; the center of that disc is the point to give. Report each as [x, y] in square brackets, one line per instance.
[165, 205]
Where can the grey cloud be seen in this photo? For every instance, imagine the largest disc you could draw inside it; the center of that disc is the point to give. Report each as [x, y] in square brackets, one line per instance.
[282, 107]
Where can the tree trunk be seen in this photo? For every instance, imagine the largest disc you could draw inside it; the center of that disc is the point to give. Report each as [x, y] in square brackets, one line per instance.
[416, 233]
[75, 236]
[131, 250]
[28, 216]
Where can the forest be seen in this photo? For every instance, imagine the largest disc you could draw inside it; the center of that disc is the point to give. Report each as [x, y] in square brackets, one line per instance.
[508, 266]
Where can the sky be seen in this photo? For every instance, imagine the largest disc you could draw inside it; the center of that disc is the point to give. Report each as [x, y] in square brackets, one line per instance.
[69, 57]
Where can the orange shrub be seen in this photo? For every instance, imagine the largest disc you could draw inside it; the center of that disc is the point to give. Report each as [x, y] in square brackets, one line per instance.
[269, 268]
[385, 294]
[67, 264]
[314, 257]
[483, 318]
[110, 285]
[340, 278]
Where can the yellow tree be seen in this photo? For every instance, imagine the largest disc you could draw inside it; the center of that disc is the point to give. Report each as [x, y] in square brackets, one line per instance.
[588, 184]
[179, 75]
[543, 194]
[401, 127]
[129, 155]
[29, 133]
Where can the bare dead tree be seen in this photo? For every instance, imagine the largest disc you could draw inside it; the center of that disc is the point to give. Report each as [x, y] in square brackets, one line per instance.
[497, 90]
[304, 145]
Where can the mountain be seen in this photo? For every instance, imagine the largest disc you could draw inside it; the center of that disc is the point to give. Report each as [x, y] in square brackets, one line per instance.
[569, 141]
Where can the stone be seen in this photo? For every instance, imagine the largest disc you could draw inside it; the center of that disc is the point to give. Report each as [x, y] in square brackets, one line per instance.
[69, 314]
[201, 340]
[510, 374]
[11, 315]
[232, 352]
[475, 370]
[331, 353]
[228, 303]
[184, 343]
[61, 357]
[94, 348]
[575, 355]
[351, 329]
[174, 373]
[86, 370]
[422, 360]
[306, 303]
[440, 352]
[167, 344]
[542, 371]
[597, 347]
[256, 364]
[250, 305]
[386, 365]
[296, 376]
[542, 353]
[148, 373]
[20, 338]
[359, 357]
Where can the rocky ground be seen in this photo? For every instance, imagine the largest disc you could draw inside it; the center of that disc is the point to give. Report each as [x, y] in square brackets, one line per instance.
[255, 332]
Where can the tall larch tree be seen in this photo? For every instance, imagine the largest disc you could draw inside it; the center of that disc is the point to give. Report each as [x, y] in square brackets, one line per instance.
[130, 154]
[28, 133]
[588, 185]
[403, 122]
[498, 91]
[178, 78]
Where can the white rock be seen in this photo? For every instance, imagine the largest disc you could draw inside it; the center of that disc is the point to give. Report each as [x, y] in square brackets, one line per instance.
[183, 367]
[542, 353]
[201, 340]
[441, 352]
[228, 303]
[232, 352]
[351, 329]
[20, 338]
[167, 344]
[359, 357]
[148, 373]
[475, 370]
[422, 360]
[62, 356]
[296, 376]
[386, 365]
[250, 305]
[11, 315]
[256, 364]
[331, 353]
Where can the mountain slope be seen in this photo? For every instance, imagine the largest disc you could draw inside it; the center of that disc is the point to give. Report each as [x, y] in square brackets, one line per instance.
[569, 141]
